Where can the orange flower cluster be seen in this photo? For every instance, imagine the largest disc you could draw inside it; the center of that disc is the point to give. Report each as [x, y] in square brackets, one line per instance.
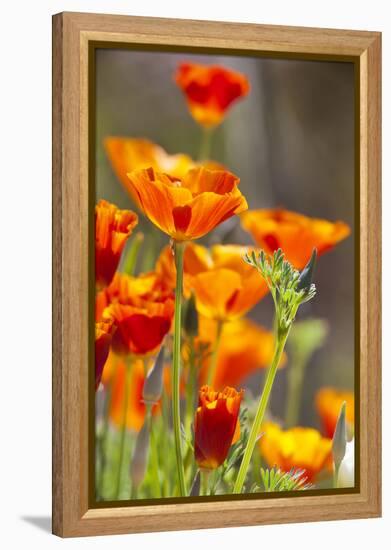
[216, 425]
[210, 91]
[295, 234]
[190, 207]
[328, 404]
[301, 448]
[103, 336]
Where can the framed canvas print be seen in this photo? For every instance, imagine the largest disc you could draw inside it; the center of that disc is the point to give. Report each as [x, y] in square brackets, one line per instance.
[216, 268]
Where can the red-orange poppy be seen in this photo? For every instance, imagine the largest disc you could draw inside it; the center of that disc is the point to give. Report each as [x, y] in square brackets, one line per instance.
[103, 336]
[328, 403]
[189, 208]
[297, 235]
[210, 90]
[136, 408]
[112, 229]
[298, 447]
[244, 348]
[215, 425]
[141, 308]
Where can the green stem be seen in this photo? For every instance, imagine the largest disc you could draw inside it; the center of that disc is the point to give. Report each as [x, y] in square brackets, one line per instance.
[295, 385]
[123, 431]
[190, 387]
[206, 143]
[154, 464]
[132, 254]
[213, 360]
[176, 366]
[271, 373]
[335, 477]
[102, 442]
[204, 482]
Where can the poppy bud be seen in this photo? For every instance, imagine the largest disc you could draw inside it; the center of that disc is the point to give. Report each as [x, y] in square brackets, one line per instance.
[306, 276]
[138, 465]
[191, 318]
[339, 438]
[153, 385]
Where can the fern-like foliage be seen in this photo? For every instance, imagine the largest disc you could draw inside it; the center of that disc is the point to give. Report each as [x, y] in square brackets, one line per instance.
[275, 480]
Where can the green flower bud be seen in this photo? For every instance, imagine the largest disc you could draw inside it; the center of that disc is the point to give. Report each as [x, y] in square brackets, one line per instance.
[306, 276]
[339, 437]
[191, 318]
[138, 465]
[153, 385]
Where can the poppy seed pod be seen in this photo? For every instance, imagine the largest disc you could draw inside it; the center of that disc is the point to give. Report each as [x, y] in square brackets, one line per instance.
[139, 461]
[153, 385]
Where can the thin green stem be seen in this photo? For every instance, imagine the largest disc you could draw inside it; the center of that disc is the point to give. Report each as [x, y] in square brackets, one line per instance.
[206, 143]
[154, 460]
[132, 253]
[335, 476]
[103, 441]
[295, 385]
[176, 366]
[128, 368]
[204, 482]
[262, 405]
[214, 357]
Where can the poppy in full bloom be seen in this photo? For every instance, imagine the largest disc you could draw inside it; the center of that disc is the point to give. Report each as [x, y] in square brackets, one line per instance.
[297, 235]
[190, 207]
[112, 229]
[244, 347]
[298, 447]
[215, 425]
[210, 90]
[141, 309]
[136, 408]
[225, 286]
[103, 336]
[328, 403]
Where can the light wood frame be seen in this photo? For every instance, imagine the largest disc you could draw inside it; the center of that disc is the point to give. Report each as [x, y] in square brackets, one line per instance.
[72, 33]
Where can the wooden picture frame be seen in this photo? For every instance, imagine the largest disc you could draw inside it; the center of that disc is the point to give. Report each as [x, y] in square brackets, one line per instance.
[72, 35]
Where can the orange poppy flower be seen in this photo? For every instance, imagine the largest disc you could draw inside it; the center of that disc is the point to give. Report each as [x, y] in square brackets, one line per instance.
[328, 403]
[302, 448]
[225, 286]
[210, 90]
[196, 259]
[141, 308]
[244, 347]
[215, 424]
[296, 234]
[112, 229]
[230, 287]
[189, 208]
[103, 336]
[136, 408]
[140, 330]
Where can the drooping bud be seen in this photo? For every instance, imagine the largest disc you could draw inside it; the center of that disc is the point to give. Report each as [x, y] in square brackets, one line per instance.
[138, 465]
[306, 276]
[339, 437]
[191, 318]
[153, 385]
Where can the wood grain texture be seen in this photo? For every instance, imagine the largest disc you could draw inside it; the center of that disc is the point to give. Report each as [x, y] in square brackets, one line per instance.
[72, 33]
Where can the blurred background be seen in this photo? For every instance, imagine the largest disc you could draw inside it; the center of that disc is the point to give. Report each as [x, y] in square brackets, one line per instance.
[291, 142]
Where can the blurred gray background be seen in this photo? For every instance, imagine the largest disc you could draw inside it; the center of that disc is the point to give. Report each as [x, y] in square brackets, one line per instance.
[291, 141]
